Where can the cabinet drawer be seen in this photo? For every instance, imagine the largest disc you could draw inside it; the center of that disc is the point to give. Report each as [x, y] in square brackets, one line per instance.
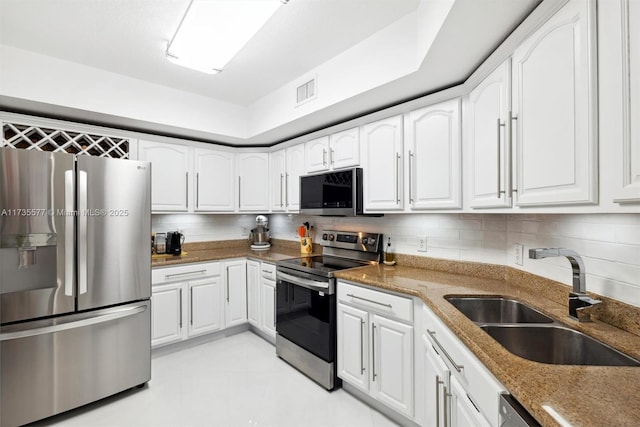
[381, 302]
[268, 271]
[481, 386]
[184, 273]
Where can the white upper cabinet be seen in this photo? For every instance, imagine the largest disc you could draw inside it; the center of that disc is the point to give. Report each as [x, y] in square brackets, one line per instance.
[253, 187]
[620, 95]
[433, 156]
[295, 169]
[488, 151]
[555, 110]
[344, 149]
[286, 167]
[169, 174]
[214, 180]
[337, 151]
[382, 164]
[278, 171]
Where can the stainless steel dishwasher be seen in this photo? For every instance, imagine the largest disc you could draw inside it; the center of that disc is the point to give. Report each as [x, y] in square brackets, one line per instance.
[513, 413]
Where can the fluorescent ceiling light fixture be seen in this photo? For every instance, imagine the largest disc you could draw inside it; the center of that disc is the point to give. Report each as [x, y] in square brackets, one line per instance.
[213, 31]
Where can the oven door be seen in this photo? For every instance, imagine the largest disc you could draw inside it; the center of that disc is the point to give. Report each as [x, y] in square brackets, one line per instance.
[306, 313]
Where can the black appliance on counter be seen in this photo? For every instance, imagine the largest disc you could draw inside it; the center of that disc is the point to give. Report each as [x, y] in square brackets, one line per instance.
[175, 240]
[306, 302]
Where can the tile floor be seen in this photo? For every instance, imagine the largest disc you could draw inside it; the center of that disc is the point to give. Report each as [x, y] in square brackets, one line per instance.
[233, 381]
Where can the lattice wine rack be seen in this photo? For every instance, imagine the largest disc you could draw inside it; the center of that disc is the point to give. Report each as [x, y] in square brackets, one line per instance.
[46, 139]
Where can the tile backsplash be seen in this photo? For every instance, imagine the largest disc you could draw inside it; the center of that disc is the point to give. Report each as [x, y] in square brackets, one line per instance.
[609, 243]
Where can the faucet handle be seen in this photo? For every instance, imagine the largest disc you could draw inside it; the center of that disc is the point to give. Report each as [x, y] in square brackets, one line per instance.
[580, 306]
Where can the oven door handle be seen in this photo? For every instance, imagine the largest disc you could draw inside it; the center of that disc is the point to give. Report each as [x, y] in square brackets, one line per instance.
[314, 285]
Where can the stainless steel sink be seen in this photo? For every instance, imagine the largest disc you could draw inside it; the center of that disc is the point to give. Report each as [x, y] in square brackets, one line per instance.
[556, 345]
[497, 310]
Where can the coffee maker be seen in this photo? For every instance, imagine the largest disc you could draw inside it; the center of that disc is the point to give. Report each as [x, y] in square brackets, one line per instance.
[259, 236]
[175, 239]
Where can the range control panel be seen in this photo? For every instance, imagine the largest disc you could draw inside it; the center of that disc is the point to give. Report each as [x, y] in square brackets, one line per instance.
[368, 242]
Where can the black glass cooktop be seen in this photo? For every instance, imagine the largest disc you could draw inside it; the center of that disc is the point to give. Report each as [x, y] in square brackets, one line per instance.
[321, 264]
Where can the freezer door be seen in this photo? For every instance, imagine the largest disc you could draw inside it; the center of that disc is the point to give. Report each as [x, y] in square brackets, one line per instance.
[114, 231]
[37, 240]
[51, 366]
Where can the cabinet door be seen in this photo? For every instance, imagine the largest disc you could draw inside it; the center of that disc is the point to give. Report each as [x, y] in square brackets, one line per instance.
[295, 169]
[268, 309]
[434, 156]
[436, 386]
[167, 308]
[205, 306]
[489, 106]
[215, 174]
[317, 154]
[464, 412]
[554, 105]
[277, 173]
[253, 192]
[169, 175]
[353, 346]
[382, 149]
[344, 149]
[236, 293]
[253, 292]
[392, 364]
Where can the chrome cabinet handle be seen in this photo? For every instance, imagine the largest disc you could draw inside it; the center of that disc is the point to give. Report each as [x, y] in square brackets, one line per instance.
[239, 192]
[512, 119]
[286, 190]
[197, 190]
[453, 362]
[191, 306]
[281, 179]
[186, 189]
[324, 157]
[398, 178]
[438, 382]
[180, 308]
[500, 191]
[227, 284]
[447, 396]
[361, 346]
[373, 351]
[370, 300]
[167, 276]
[410, 177]
[332, 156]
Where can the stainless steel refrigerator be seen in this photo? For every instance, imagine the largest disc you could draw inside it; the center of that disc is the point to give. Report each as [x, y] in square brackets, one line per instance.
[75, 281]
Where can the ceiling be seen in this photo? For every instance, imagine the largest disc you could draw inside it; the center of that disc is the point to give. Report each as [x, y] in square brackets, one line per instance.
[130, 37]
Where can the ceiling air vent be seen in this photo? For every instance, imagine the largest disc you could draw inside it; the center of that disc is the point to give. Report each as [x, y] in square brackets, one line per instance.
[306, 91]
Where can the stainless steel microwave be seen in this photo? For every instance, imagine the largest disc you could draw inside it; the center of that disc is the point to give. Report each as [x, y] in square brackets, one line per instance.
[337, 193]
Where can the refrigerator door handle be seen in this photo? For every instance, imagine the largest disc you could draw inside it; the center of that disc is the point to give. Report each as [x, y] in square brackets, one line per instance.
[69, 241]
[117, 313]
[82, 232]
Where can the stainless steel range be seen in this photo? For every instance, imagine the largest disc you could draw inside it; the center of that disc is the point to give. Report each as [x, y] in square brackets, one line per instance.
[306, 302]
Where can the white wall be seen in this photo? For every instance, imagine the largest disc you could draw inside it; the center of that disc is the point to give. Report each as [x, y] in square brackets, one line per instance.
[204, 228]
[609, 243]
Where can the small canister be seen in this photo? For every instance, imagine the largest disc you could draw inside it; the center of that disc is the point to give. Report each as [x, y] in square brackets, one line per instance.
[161, 243]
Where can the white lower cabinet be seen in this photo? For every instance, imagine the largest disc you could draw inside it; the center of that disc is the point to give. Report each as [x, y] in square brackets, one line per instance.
[375, 345]
[470, 394]
[253, 292]
[204, 306]
[185, 301]
[464, 412]
[268, 307]
[236, 292]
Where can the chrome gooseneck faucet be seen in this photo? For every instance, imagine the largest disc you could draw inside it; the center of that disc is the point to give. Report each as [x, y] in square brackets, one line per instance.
[578, 299]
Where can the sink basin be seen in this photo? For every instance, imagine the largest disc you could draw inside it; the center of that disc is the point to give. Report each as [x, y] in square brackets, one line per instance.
[556, 345]
[497, 310]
